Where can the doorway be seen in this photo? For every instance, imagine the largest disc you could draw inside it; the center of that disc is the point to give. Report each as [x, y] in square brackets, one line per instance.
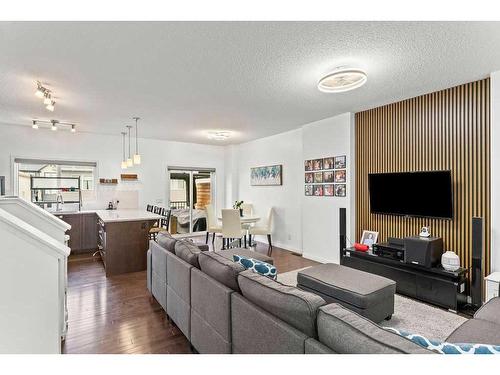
[190, 190]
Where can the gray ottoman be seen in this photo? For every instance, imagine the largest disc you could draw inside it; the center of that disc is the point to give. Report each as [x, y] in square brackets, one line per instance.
[228, 254]
[369, 295]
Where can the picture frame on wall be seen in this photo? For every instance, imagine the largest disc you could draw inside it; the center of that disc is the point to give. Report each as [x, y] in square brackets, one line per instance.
[308, 165]
[340, 162]
[318, 177]
[308, 191]
[328, 163]
[340, 190]
[328, 176]
[309, 178]
[271, 175]
[340, 176]
[318, 190]
[328, 190]
[317, 164]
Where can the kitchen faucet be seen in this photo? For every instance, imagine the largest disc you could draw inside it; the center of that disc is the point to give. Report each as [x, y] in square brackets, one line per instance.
[59, 200]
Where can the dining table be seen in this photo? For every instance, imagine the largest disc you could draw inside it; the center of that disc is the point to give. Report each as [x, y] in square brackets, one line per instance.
[246, 219]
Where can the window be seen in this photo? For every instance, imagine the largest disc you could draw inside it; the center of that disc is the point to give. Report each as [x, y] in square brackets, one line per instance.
[27, 168]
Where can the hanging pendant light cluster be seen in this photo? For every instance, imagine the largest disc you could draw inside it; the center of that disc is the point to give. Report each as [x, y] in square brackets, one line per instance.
[124, 160]
[128, 162]
[137, 156]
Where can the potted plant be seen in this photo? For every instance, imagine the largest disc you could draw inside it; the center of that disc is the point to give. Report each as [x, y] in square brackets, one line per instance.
[237, 206]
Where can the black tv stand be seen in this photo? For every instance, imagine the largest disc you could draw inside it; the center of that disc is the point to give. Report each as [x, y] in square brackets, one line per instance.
[433, 285]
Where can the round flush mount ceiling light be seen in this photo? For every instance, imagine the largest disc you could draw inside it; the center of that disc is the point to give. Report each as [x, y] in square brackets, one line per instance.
[219, 135]
[342, 79]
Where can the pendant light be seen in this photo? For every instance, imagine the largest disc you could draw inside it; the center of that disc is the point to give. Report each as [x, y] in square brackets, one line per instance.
[124, 162]
[130, 162]
[137, 156]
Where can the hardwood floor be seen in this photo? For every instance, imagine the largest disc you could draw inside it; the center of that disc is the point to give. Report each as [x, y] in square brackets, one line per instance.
[117, 315]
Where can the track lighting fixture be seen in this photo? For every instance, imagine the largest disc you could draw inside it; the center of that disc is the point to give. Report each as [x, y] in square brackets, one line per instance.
[47, 98]
[40, 90]
[45, 94]
[51, 106]
[54, 125]
[137, 156]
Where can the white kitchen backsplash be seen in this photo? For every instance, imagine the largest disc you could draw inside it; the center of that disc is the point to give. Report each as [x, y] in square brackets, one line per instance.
[101, 198]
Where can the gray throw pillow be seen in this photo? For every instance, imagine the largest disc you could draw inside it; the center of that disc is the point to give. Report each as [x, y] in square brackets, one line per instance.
[165, 240]
[188, 252]
[221, 269]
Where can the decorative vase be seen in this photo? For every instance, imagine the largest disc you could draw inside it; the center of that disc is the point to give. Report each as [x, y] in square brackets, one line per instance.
[241, 212]
[450, 261]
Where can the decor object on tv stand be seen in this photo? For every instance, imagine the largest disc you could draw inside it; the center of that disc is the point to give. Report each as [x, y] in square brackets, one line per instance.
[424, 232]
[450, 261]
[368, 238]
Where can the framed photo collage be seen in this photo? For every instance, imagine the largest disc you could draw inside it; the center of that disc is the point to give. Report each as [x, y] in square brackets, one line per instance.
[326, 177]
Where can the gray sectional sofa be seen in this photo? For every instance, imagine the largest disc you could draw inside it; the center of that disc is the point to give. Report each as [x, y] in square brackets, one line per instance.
[223, 308]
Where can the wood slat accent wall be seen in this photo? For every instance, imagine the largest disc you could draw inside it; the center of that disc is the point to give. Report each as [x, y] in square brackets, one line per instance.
[449, 129]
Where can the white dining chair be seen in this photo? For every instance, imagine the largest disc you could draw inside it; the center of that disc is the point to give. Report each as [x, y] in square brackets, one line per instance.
[264, 230]
[212, 225]
[231, 227]
[247, 209]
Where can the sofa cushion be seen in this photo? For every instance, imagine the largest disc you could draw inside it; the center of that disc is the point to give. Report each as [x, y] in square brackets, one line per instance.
[221, 269]
[490, 311]
[292, 305]
[245, 253]
[447, 347]
[188, 252]
[263, 268]
[165, 240]
[354, 287]
[476, 330]
[347, 332]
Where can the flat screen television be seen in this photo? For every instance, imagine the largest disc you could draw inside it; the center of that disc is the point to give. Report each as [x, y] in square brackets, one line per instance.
[421, 194]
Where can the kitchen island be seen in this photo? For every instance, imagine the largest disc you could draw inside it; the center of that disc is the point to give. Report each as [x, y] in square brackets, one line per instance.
[123, 239]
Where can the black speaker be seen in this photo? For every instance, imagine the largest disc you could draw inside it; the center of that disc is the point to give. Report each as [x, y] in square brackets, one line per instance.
[342, 229]
[476, 288]
[423, 251]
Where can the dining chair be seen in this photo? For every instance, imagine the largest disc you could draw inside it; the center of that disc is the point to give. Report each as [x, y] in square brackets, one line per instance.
[212, 225]
[162, 226]
[264, 230]
[231, 227]
[247, 209]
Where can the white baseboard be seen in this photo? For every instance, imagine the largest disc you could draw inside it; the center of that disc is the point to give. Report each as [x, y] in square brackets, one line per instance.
[316, 258]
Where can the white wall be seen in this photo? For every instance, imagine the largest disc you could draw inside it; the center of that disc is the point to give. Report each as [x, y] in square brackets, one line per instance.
[20, 141]
[495, 170]
[285, 149]
[320, 215]
[308, 225]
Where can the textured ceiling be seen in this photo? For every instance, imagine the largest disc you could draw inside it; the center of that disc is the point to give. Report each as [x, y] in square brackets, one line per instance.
[252, 78]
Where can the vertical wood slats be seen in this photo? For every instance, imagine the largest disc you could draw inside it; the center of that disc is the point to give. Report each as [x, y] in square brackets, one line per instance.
[449, 129]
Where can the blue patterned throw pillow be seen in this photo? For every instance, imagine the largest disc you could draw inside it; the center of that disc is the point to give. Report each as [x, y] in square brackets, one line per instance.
[447, 347]
[257, 266]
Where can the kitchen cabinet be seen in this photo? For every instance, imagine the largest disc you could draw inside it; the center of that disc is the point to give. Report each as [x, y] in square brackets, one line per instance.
[83, 232]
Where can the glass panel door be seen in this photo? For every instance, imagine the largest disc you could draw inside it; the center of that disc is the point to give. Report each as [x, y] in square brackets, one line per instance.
[190, 191]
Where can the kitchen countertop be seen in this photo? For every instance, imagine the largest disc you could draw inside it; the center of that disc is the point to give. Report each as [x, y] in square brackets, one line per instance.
[113, 216]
